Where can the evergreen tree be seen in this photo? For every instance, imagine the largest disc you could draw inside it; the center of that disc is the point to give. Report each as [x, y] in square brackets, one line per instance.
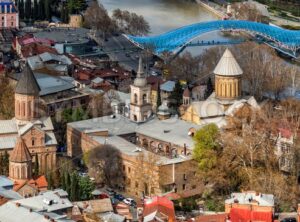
[50, 181]
[209, 88]
[176, 95]
[1, 164]
[74, 186]
[47, 9]
[28, 9]
[36, 165]
[21, 9]
[6, 163]
[67, 182]
[86, 187]
[158, 98]
[63, 180]
[35, 10]
[41, 10]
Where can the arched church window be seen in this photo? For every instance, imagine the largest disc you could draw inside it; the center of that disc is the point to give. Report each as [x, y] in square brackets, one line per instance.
[135, 98]
[144, 99]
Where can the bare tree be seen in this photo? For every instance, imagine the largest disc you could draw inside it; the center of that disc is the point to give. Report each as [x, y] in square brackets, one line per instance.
[99, 105]
[6, 99]
[105, 165]
[248, 11]
[97, 18]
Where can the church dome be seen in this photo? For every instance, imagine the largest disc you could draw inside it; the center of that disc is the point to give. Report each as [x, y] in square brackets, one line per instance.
[140, 82]
[228, 66]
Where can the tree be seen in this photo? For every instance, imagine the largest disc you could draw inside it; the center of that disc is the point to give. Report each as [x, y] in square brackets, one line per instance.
[41, 10]
[248, 11]
[97, 18]
[28, 8]
[130, 23]
[105, 165]
[86, 187]
[99, 104]
[47, 9]
[158, 98]
[176, 95]
[6, 99]
[50, 181]
[67, 181]
[75, 6]
[36, 165]
[21, 9]
[74, 186]
[5, 164]
[209, 88]
[206, 147]
[35, 10]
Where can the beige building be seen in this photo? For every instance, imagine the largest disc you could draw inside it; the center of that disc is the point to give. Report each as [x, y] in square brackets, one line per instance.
[226, 99]
[158, 149]
[35, 130]
[140, 102]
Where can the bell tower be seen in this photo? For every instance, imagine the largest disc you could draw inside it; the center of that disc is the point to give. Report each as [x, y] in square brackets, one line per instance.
[27, 96]
[140, 103]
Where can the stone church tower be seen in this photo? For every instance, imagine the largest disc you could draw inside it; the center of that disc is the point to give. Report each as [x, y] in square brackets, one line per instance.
[140, 104]
[20, 164]
[27, 97]
[228, 81]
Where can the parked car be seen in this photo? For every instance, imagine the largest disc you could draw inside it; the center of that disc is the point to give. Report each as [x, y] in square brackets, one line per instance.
[110, 191]
[289, 219]
[180, 218]
[130, 202]
[119, 197]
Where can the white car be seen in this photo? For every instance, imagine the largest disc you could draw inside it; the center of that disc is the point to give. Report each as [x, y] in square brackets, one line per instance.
[129, 201]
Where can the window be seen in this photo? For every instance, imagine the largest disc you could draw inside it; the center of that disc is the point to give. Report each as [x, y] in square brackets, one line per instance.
[12, 23]
[135, 98]
[136, 184]
[144, 99]
[129, 169]
[194, 187]
[184, 177]
[32, 141]
[183, 187]
[124, 168]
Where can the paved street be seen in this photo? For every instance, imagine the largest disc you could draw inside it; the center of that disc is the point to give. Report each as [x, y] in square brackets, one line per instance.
[120, 49]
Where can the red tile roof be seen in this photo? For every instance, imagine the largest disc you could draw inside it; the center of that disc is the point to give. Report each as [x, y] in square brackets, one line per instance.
[161, 205]
[40, 183]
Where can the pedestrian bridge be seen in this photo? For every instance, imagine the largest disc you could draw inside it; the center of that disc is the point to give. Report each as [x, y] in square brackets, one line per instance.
[286, 41]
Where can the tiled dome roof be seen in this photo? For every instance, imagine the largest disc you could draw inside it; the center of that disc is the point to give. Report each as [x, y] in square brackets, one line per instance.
[20, 153]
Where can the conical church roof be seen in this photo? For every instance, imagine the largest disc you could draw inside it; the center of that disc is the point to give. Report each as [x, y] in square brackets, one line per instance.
[20, 153]
[140, 80]
[228, 66]
[27, 84]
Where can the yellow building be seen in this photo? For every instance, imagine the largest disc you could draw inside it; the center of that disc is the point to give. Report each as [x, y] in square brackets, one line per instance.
[226, 99]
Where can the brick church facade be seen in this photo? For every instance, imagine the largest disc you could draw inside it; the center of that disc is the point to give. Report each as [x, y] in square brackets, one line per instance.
[29, 128]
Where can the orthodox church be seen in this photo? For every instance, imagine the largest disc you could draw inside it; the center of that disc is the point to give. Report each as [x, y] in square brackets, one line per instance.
[29, 136]
[224, 101]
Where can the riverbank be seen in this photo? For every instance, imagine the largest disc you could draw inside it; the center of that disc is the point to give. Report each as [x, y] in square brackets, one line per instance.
[214, 8]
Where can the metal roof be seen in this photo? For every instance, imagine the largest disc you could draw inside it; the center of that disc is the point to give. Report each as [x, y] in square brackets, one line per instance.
[8, 126]
[228, 66]
[168, 86]
[6, 182]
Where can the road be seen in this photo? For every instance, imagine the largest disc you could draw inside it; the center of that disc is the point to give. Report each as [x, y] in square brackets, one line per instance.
[118, 48]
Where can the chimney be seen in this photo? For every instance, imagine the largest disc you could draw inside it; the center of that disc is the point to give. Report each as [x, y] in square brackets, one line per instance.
[18, 204]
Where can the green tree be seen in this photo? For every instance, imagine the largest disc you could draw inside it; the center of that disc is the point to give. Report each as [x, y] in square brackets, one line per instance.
[21, 9]
[36, 165]
[28, 9]
[41, 10]
[47, 9]
[176, 95]
[35, 9]
[86, 187]
[5, 165]
[67, 182]
[50, 181]
[74, 186]
[206, 147]
[158, 98]
[209, 88]
[75, 6]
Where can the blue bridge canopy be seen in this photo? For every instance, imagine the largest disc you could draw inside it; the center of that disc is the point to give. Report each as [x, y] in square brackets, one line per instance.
[175, 40]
